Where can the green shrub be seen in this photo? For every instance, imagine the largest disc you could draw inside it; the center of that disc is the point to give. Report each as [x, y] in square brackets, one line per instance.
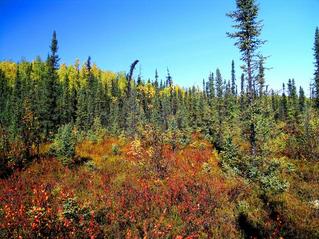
[266, 173]
[91, 165]
[115, 149]
[185, 138]
[230, 160]
[72, 210]
[261, 170]
[63, 146]
[97, 132]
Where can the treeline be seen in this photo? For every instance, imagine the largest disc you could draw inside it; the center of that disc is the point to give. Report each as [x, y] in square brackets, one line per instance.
[40, 96]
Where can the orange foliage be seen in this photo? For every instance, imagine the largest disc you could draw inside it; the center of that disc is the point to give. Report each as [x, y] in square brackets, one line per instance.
[125, 197]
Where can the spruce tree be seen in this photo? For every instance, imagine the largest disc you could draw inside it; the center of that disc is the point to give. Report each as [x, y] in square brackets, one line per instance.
[292, 99]
[242, 92]
[4, 99]
[16, 104]
[81, 107]
[50, 114]
[261, 77]
[316, 73]
[283, 110]
[156, 83]
[90, 92]
[233, 78]
[155, 117]
[211, 87]
[302, 100]
[220, 108]
[219, 84]
[65, 101]
[204, 88]
[274, 103]
[248, 29]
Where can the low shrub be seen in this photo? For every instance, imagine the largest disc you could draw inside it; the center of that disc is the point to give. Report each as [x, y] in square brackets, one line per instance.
[63, 146]
[115, 149]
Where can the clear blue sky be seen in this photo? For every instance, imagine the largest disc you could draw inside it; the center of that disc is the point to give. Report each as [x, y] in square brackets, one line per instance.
[187, 36]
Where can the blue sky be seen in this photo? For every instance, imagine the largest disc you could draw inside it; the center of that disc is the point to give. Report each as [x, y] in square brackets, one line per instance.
[186, 36]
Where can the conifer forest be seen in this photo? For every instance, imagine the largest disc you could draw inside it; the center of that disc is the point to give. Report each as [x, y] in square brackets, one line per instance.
[90, 153]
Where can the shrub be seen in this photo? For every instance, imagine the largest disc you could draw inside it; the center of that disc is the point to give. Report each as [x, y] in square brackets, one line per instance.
[97, 132]
[115, 149]
[265, 172]
[72, 211]
[230, 157]
[91, 165]
[63, 146]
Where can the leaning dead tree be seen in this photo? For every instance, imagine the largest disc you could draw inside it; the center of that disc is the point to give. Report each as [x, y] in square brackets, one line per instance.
[129, 76]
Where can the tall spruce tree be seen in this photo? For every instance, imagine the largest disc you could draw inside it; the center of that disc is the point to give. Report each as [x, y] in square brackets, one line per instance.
[50, 114]
[90, 92]
[220, 108]
[248, 29]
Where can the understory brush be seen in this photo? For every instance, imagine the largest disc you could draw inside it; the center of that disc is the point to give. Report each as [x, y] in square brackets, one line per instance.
[147, 188]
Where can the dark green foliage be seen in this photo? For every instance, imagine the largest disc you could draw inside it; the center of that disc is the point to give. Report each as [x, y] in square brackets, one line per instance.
[283, 109]
[242, 92]
[73, 212]
[266, 173]
[4, 103]
[81, 108]
[97, 132]
[261, 77]
[63, 146]
[293, 110]
[302, 100]
[316, 73]
[230, 156]
[211, 86]
[248, 29]
[90, 93]
[49, 115]
[233, 78]
[262, 171]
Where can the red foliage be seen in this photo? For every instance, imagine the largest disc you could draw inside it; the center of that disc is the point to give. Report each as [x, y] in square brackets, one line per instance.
[186, 203]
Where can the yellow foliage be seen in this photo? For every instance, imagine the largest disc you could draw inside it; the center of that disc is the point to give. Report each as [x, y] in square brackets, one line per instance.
[96, 151]
[62, 72]
[44, 148]
[107, 77]
[148, 90]
[9, 69]
[278, 144]
[73, 74]
[122, 81]
[96, 71]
